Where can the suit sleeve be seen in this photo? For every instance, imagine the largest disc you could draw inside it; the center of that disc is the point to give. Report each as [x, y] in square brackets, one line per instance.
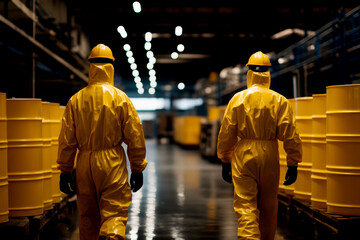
[227, 137]
[134, 137]
[67, 141]
[287, 132]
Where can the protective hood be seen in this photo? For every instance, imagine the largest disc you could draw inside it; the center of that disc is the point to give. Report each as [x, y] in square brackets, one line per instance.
[101, 73]
[258, 78]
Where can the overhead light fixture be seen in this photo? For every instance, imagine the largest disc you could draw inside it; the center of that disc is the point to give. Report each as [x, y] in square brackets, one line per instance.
[153, 84]
[136, 7]
[140, 91]
[178, 31]
[181, 86]
[180, 48]
[147, 46]
[135, 73]
[151, 91]
[129, 53]
[148, 36]
[290, 31]
[174, 55]
[122, 31]
[150, 54]
[131, 60]
[133, 66]
[126, 47]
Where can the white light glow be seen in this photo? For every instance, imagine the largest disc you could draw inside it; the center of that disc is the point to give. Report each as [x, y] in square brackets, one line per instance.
[152, 72]
[180, 47]
[141, 90]
[178, 31]
[129, 54]
[127, 47]
[122, 31]
[136, 7]
[152, 60]
[150, 54]
[181, 86]
[174, 55]
[153, 84]
[152, 78]
[135, 73]
[151, 90]
[187, 103]
[131, 60]
[150, 103]
[139, 85]
[133, 66]
[148, 36]
[137, 79]
[150, 66]
[147, 46]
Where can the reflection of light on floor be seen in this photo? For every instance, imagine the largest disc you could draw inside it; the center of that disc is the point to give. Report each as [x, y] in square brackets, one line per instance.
[151, 202]
[180, 194]
[134, 222]
[175, 233]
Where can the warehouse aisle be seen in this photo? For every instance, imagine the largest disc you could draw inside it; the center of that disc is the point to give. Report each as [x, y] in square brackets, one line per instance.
[183, 197]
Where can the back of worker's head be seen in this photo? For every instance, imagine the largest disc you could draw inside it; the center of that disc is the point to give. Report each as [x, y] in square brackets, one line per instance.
[259, 72]
[101, 65]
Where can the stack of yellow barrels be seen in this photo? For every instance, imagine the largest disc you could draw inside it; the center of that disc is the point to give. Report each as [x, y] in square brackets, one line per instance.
[47, 155]
[304, 125]
[187, 130]
[318, 172]
[55, 126]
[343, 149]
[25, 167]
[282, 160]
[4, 201]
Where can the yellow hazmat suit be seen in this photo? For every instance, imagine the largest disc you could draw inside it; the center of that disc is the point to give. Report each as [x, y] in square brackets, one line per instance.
[96, 121]
[254, 119]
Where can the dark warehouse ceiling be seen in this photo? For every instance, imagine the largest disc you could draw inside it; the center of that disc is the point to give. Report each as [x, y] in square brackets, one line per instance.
[216, 34]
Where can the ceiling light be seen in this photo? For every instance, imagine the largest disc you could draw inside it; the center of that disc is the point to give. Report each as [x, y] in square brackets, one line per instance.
[131, 60]
[137, 7]
[180, 47]
[122, 31]
[140, 90]
[133, 66]
[151, 91]
[181, 86]
[152, 60]
[150, 66]
[152, 78]
[152, 72]
[135, 73]
[178, 31]
[150, 54]
[126, 47]
[139, 85]
[137, 79]
[147, 46]
[153, 84]
[148, 36]
[174, 55]
[129, 53]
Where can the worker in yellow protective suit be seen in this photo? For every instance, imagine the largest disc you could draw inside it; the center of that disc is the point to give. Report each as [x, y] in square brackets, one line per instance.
[247, 146]
[96, 121]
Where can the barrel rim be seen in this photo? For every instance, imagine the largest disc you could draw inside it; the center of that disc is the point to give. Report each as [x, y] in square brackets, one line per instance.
[344, 85]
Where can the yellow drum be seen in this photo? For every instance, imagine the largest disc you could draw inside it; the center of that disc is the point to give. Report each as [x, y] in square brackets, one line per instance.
[187, 130]
[343, 149]
[4, 199]
[25, 168]
[47, 155]
[318, 172]
[55, 126]
[304, 126]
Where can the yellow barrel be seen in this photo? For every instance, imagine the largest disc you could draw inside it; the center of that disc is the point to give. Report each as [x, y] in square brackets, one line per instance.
[343, 149]
[25, 168]
[283, 163]
[55, 126]
[304, 126]
[318, 172]
[4, 199]
[47, 155]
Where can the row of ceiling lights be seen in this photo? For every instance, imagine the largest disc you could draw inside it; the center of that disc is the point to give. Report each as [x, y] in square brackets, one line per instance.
[150, 56]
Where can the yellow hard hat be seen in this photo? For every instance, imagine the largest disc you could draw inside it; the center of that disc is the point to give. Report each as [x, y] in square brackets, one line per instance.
[259, 59]
[101, 51]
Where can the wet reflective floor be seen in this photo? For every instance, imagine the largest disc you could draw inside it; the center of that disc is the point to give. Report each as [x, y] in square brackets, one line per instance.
[183, 197]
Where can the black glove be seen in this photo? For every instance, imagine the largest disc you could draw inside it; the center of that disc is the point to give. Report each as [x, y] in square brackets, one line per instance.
[291, 175]
[67, 183]
[136, 181]
[226, 172]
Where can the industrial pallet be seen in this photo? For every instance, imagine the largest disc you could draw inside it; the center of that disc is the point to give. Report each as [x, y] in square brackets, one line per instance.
[30, 227]
[314, 223]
